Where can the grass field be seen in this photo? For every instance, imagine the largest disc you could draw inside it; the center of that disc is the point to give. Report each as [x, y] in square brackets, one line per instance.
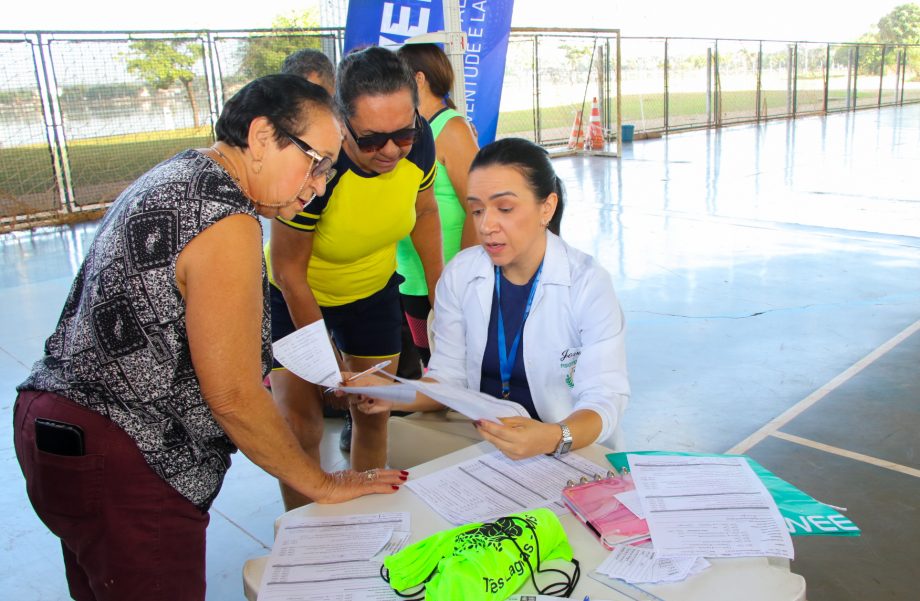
[96, 162]
[27, 169]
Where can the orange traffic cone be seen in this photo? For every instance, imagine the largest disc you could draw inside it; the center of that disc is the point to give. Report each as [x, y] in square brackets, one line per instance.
[577, 133]
[595, 137]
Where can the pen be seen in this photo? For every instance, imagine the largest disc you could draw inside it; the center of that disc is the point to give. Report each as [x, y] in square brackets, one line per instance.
[368, 371]
[587, 598]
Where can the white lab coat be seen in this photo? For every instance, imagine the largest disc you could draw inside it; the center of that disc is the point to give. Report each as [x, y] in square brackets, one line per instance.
[573, 343]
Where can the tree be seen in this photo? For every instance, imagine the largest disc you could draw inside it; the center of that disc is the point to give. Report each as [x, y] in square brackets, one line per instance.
[162, 64]
[263, 55]
[901, 25]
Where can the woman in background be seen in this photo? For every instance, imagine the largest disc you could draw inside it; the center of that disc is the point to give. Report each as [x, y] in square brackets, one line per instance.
[455, 147]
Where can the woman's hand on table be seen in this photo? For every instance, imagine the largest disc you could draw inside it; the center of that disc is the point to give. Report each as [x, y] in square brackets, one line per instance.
[521, 437]
[345, 485]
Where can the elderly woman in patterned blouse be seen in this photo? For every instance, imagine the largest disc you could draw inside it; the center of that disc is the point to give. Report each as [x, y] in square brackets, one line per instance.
[152, 378]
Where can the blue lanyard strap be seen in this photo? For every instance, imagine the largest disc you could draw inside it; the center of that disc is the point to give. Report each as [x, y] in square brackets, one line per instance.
[507, 358]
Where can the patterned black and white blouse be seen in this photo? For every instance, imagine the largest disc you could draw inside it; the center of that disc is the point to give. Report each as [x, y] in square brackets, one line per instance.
[120, 347]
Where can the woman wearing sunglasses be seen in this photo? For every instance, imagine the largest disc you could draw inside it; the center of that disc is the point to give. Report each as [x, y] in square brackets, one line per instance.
[153, 375]
[336, 259]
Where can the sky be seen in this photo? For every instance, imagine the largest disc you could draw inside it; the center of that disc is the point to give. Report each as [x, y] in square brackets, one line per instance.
[798, 20]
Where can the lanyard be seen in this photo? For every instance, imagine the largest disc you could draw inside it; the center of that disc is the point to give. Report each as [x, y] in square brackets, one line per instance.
[505, 358]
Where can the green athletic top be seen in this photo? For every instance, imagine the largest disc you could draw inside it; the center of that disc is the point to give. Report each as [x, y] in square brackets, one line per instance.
[409, 265]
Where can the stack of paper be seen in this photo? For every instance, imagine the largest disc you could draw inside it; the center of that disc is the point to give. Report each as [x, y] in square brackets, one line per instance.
[642, 564]
[492, 486]
[708, 507]
[336, 558]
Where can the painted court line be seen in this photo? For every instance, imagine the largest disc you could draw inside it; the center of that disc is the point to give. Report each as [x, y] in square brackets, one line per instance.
[897, 467]
[781, 420]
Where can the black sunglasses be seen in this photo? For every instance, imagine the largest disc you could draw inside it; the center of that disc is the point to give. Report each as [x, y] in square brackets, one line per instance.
[322, 165]
[374, 142]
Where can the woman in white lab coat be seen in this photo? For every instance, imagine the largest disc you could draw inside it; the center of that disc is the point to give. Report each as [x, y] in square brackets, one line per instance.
[525, 316]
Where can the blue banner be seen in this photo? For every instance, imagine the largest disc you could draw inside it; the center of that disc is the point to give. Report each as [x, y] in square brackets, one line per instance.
[487, 24]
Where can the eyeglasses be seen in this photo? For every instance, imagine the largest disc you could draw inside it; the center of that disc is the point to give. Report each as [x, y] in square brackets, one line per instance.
[322, 166]
[374, 142]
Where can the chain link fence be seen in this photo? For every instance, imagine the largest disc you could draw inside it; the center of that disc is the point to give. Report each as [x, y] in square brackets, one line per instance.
[83, 114]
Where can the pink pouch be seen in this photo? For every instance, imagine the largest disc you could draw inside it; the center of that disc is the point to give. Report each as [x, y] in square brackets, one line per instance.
[594, 504]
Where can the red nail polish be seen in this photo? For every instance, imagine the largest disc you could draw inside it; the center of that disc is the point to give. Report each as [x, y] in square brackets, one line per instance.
[404, 478]
[395, 487]
[404, 472]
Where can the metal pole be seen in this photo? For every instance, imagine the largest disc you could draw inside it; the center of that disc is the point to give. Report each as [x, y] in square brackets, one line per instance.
[827, 73]
[454, 47]
[717, 92]
[607, 115]
[667, 118]
[599, 67]
[789, 65]
[759, 82]
[709, 86]
[537, 120]
[41, 80]
[208, 56]
[795, 79]
[619, 101]
[855, 78]
[849, 78]
[57, 124]
[881, 75]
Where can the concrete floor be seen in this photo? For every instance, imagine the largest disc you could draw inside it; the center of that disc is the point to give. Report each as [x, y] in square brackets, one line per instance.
[770, 277]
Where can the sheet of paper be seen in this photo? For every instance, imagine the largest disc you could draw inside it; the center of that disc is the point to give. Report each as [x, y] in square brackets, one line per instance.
[492, 486]
[331, 558]
[471, 403]
[643, 565]
[308, 353]
[398, 393]
[396, 544]
[306, 542]
[708, 507]
[359, 581]
[633, 502]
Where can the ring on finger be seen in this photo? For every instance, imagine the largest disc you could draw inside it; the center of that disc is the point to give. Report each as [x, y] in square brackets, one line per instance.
[370, 475]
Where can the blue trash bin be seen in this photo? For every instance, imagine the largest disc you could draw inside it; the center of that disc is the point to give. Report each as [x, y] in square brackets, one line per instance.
[628, 131]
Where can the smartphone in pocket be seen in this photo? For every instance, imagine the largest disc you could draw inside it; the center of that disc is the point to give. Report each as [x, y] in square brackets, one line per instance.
[58, 438]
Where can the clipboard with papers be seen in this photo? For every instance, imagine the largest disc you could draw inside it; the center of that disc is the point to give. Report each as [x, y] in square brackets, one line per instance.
[595, 505]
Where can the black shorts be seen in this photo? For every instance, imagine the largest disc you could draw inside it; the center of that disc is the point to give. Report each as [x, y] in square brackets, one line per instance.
[368, 327]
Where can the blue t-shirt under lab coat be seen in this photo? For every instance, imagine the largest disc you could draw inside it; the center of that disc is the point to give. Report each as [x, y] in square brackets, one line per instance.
[514, 300]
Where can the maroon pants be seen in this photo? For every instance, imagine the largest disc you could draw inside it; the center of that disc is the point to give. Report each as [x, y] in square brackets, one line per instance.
[125, 532]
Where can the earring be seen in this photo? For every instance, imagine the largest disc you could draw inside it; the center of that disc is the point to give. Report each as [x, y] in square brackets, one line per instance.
[257, 166]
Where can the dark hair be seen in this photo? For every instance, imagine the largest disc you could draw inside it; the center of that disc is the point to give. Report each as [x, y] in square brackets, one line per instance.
[374, 71]
[285, 100]
[308, 60]
[533, 163]
[431, 60]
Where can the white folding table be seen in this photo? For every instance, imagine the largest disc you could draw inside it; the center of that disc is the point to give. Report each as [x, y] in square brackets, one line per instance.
[748, 578]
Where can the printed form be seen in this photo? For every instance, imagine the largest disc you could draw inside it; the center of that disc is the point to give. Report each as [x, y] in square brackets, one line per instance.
[708, 507]
[333, 558]
[642, 565]
[493, 486]
[471, 403]
[308, 354]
